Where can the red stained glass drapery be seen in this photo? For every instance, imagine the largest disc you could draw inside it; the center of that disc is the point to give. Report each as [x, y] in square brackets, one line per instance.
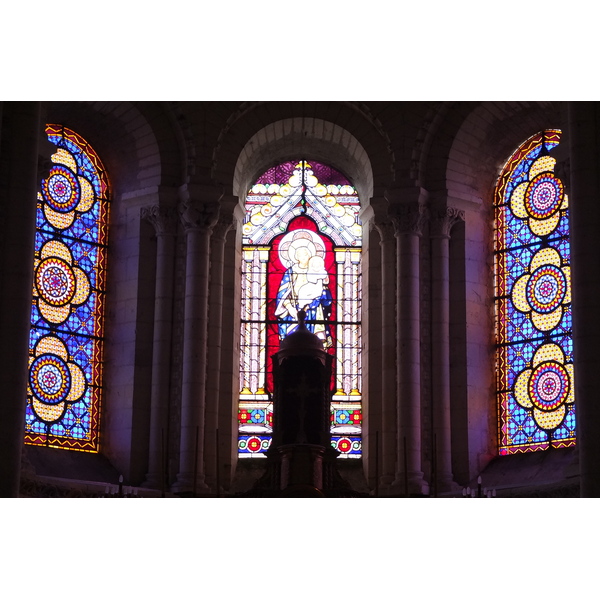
[301, 249]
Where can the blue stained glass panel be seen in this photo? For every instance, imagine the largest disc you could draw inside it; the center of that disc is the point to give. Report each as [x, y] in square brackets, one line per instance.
[65, 377]
[534, 322]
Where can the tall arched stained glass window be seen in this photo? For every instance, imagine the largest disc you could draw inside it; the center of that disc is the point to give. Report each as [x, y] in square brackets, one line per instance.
[533, 302]
[301, 249]
[66, 338]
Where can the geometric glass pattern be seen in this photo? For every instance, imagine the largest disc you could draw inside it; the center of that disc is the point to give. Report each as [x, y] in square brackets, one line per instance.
[301, 249]
[68, 304]
[534, 351]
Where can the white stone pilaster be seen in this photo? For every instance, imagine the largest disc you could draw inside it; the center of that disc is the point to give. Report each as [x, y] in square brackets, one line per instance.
[388, 450]
[409, 219]
[164, 221]
[442, 221]
[199, 213]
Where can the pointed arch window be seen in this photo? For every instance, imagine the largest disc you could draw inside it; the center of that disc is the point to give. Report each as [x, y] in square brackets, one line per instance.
[534, 356]
[67, 313]
[301, 248]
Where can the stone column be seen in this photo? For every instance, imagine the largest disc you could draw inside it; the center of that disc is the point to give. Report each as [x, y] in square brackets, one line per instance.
[408, 221]
[584, 206]
[215, 333]
[441, 223]
[22, 129]
[385, 227]
[198, 218]
[164, 221]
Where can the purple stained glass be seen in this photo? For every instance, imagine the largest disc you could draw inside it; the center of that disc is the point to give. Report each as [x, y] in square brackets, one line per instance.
[324, 173]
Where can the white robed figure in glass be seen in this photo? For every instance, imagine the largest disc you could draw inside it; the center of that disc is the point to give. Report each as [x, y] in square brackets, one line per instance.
[304, 285]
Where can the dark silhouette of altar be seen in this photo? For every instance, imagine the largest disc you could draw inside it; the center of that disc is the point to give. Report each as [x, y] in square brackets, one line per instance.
[301, 462]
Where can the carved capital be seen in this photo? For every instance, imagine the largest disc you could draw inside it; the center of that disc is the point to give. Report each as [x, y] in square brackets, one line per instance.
[222, 227]
[162, 218]
[385, 228]
[442, 221]
[409, 218]
[197, 215]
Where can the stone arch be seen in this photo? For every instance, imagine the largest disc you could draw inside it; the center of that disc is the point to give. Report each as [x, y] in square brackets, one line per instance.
[320, 127]
[464, 145]
[465, 148]
[314, 138]
[138, 142]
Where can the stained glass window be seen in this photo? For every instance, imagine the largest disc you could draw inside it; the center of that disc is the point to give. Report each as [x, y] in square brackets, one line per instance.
[66, 337]
[533, 302]
[301, 249]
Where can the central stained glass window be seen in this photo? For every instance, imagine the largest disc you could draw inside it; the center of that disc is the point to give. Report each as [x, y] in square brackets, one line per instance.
[533, 302]
[301, 250]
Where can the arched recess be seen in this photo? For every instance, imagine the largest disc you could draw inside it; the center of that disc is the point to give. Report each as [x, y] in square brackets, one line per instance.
[312, 139]
[145, 151]
[322, 140]
[308, 120]
[459, 162]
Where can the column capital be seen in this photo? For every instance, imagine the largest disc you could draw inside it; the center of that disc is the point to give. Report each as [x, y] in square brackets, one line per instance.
[385, 227]
[221, 228]
[162, 218]
[409, 218]
[196, 215]
[443, 219]
[227, 216]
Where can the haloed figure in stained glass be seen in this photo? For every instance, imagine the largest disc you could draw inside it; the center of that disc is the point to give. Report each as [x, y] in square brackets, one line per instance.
[304, 285]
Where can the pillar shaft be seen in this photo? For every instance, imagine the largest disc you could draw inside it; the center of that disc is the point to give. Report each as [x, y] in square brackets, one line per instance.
[409, 476]
[163, 220]
[442, 477]
[198, 219]
[215, 334]
[388, 343]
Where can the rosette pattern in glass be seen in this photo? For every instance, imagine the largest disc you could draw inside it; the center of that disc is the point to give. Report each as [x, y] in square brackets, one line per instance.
[534, 355]
[301, 249]
[66, 336]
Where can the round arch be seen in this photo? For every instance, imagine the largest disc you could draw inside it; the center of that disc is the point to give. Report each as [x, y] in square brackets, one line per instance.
[140, 147]
[340, 134]
[298, 138]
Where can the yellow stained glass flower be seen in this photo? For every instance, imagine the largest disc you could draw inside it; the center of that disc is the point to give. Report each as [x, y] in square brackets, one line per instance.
[541, 198]
[544, 290]
[64, 193]
[547, 387]
[54, 380]
[58, 283]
